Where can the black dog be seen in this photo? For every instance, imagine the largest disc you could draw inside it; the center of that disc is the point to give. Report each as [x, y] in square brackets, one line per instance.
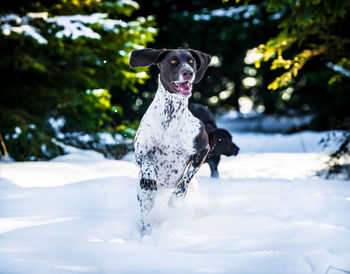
[170, 143]
[220, 140]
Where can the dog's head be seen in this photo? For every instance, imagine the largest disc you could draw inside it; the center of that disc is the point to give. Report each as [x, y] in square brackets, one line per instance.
[179, 68]
[220, 141]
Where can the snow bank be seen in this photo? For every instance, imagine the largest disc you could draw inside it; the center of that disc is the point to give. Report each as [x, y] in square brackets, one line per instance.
[306, 141]
[258, 122]
[267, 213]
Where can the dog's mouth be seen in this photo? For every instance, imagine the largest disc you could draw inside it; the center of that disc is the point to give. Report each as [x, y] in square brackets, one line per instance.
[183, 88]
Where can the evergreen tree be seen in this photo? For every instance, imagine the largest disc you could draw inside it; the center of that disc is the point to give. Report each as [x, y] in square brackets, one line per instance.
[311, 54]
[60, 59]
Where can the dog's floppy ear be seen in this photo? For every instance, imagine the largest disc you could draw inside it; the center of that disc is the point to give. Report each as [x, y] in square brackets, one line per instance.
[202, 60]
[146, 57]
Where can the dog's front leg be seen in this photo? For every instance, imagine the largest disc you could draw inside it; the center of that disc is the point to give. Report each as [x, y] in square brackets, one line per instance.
[181, 187]
[146, 192]
[191, 169]
[213, 161]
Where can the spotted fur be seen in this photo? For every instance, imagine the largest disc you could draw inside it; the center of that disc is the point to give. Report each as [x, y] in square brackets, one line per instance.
[165, 138]
[165, 143]
[170, 144]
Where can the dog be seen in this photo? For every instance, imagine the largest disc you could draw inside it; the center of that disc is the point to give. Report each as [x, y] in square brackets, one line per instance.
[220, 140]
[170, 143]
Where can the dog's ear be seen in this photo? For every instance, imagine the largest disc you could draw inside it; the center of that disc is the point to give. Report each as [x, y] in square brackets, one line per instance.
[146, 57]
[203, 61]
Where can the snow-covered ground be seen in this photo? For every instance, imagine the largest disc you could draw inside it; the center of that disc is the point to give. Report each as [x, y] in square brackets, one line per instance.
[267, 213]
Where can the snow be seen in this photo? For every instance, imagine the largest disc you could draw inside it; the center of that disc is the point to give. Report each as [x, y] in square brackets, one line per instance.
[73, 26]
[338, 68]
[259, 122]
[267, 213]
[23, 27]
[105, 138]
[128, 3]
[247, 11]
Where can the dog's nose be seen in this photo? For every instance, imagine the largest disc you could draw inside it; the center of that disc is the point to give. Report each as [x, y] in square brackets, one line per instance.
[187, 74]
[236, 150]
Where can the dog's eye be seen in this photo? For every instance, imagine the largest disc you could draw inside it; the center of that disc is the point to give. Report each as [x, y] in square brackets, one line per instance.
[173, 61]
[190, 61]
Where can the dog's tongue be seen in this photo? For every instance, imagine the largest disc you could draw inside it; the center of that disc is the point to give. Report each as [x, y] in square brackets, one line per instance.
[185, 88]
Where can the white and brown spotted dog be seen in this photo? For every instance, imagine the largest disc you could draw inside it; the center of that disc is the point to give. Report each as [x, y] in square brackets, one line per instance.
[170, 143]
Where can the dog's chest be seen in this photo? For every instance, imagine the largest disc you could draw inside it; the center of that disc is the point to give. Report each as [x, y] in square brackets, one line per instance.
[167, 133]
[171, 145]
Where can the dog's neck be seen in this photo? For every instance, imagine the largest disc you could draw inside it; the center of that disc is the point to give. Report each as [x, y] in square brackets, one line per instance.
[166, 98]
[171, 104]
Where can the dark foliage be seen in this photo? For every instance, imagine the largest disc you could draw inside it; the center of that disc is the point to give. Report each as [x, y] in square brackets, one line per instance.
[64, 76]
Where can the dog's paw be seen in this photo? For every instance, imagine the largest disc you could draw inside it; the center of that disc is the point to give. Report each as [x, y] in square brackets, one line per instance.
[215, 174]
